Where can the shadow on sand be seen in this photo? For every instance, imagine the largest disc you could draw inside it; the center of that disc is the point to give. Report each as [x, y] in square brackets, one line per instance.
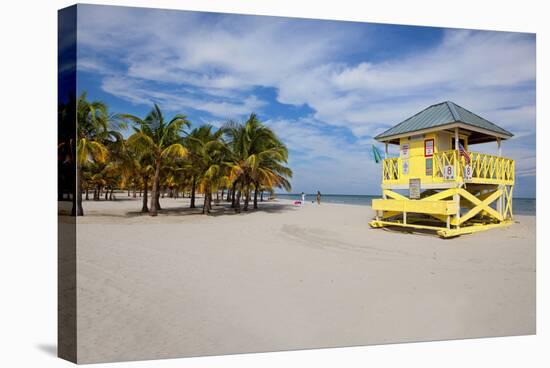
[410, 231]
[221, 209]
[116, 199]
[50, 349]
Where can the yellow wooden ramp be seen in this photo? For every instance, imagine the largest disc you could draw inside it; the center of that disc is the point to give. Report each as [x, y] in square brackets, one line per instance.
[415, 206]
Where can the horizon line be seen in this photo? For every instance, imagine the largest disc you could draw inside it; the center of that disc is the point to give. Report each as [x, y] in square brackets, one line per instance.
[364, 195]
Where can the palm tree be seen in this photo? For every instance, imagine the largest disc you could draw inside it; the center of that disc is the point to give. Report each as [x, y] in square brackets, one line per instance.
[66, 152]
[139, 163]
[238, 151]
[270, 172]
[258, 158]
[207, 156]
[93, 134]
[193, 143]
[161, 139]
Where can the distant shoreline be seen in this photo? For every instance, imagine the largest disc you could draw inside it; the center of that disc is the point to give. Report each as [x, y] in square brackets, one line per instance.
[522, 206]
[360, 195]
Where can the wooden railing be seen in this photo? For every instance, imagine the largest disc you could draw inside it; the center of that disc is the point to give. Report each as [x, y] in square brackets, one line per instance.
[483, 169]
[390, 169]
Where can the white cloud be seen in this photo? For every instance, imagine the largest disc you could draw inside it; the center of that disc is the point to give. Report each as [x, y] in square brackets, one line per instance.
[136, 92]
[303, 61]
[327, 162]
[479, 70]
[221, 58]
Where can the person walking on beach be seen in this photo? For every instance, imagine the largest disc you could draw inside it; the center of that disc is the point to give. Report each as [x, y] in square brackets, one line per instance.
[303, 199]
[318, 197]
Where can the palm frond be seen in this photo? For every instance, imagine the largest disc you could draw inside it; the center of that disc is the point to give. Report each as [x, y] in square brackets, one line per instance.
[174, 150]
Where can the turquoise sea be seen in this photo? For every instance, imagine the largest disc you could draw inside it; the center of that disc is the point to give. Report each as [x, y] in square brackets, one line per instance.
[522, 206]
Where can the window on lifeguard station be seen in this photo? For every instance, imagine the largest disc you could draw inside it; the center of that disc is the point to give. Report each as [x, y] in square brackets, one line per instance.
[460, 140]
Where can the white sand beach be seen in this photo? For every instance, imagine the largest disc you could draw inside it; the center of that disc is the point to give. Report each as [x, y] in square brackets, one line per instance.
[284, 277]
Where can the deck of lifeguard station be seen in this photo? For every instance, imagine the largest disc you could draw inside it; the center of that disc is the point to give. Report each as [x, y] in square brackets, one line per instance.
[440, 188]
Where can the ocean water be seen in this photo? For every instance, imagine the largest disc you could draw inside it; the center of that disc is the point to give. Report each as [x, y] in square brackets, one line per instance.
[522, 206]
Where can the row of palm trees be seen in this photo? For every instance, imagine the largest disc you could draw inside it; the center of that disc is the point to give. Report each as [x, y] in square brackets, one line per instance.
[239, 159]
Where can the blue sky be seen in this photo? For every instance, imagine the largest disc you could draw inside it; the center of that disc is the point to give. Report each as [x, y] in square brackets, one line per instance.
[326, 87]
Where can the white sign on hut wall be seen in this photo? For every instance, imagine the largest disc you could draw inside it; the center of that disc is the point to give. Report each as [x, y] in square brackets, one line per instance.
[449, 172]
[414, 188]
[428, 148]
[405, 167]
[405, 151]
[468, 172]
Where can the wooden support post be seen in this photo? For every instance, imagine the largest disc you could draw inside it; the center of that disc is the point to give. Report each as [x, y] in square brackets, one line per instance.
[500, 206]
[509, 202]
[405, 218]
[499, 147]
[457, 154]
[386, 150]
[448, 221]
[456, 198]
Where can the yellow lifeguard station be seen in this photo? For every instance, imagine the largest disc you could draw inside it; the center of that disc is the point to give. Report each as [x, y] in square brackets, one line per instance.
[444, 186]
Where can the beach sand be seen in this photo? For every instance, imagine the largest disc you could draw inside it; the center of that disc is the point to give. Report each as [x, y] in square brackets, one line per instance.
[285, 277]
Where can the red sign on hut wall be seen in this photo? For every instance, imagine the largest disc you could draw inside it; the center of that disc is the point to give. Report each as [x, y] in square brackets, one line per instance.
[428, 148]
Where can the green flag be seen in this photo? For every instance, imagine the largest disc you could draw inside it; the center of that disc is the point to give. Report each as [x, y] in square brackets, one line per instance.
[376, 154]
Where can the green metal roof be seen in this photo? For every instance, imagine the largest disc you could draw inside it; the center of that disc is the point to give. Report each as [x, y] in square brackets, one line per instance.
[441, 114]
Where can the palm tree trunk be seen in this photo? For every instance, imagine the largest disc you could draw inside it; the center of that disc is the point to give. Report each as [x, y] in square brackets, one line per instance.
[154, 192]
[158, 200]
[87, 197]
[144, 206]
[193, 185]
[107, 194]
[246, 200]
[128, 191]
[207, 205]
[237, 204]
[111, 194]
[255, 196]
[223, 192]
[262, 196]
[79, 209]
[233, 194]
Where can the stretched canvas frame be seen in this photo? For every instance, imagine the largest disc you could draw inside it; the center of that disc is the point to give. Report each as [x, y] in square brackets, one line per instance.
[422, 257]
